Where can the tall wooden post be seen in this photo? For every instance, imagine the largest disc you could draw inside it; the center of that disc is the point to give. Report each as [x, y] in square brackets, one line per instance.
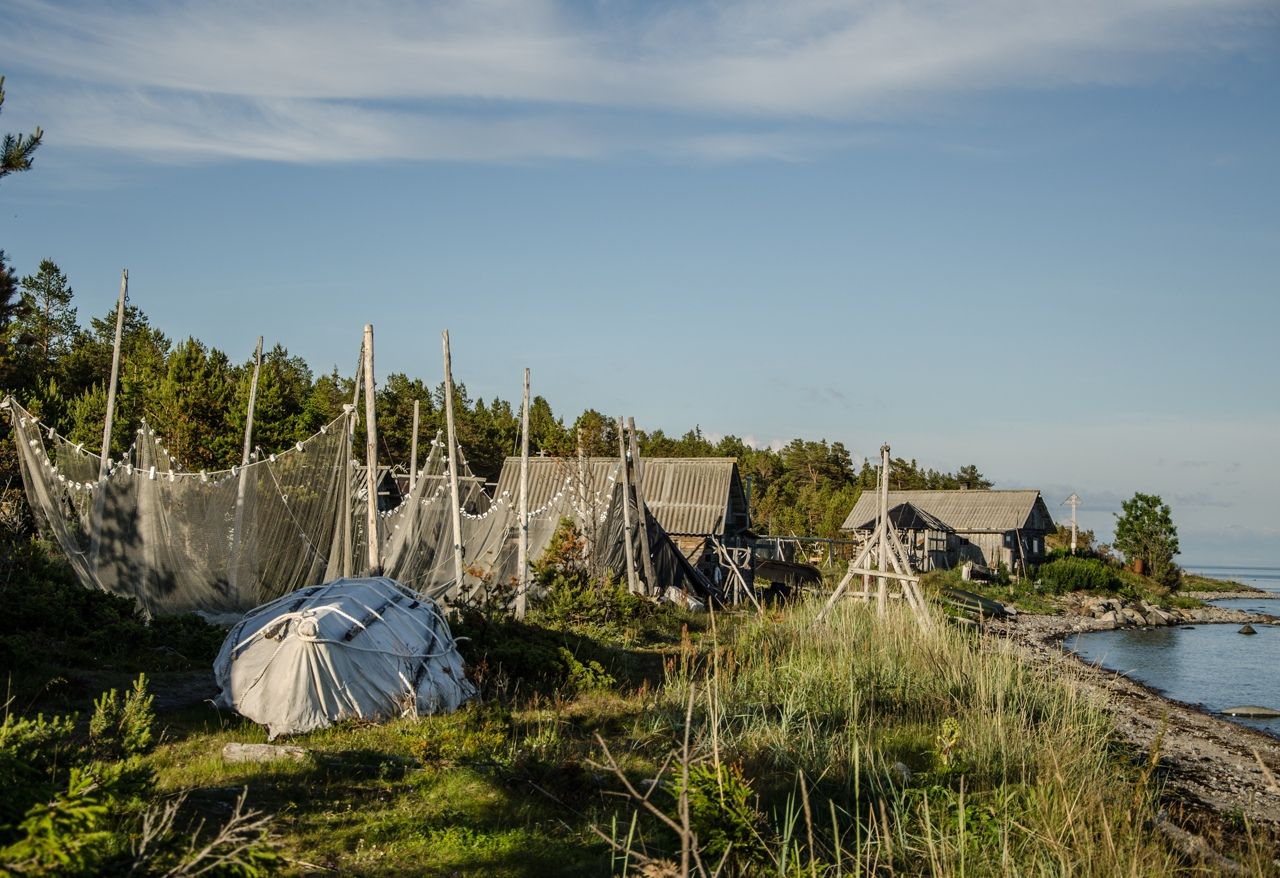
[100, 496]
[371, 456]
[522, 510]
[242, 487]
[452, 439]
[646, 557]
[633, 583]
[882, 560]
[413, 449]
[348, 513]
[587, 511]
[115, 376]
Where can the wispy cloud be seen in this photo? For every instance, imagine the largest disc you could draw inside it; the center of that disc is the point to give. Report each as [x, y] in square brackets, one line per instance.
[512, 79]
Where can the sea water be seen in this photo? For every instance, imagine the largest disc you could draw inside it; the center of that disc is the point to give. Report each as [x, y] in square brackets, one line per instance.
[1211, 666]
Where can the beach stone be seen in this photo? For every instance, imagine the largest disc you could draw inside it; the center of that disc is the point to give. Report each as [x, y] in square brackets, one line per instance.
[1247, 629]
[1132, 616]
[1110, 616]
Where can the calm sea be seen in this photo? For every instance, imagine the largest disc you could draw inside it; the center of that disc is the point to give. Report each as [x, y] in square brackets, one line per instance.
[1212, 666]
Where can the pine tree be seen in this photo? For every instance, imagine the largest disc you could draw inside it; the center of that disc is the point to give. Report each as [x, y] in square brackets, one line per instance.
[189, 408]
[17, 151]
[49, 318]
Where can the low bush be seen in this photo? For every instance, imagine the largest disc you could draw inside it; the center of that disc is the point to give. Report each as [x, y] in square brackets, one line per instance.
[51, 620]
[1078, 574]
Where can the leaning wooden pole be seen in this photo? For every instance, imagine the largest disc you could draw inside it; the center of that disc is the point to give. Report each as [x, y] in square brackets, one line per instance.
[115, 376]
[452, 439]
[522, 510]
[637, 469]
[100, 498]
[633, 579]
[242, 487]
[371, 457]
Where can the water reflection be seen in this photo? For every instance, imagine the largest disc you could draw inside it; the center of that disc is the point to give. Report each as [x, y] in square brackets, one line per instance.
[1212, 666]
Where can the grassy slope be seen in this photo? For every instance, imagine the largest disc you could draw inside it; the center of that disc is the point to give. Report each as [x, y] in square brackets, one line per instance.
[919, 752]
[924, 752]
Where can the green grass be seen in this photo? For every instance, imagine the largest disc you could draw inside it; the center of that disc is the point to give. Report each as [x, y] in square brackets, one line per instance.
[852, 746]
[1196, 582]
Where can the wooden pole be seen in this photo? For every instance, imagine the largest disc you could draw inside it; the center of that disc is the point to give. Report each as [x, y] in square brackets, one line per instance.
[348, 515]
[413, 450]
[115, 376]
[882, 584]
[522, 510]
[646, 557]
[452, 439]
[633, 583]
[588, 512]
[100, 496]
[243, 486]
[371, 456]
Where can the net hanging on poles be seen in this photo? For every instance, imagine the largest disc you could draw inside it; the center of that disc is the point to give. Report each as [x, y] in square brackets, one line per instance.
[180, 541]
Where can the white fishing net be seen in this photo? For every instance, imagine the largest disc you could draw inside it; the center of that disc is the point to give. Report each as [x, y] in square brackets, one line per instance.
[225, 542]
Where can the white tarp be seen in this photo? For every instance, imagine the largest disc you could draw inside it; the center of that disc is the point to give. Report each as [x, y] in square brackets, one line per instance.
[351, 648]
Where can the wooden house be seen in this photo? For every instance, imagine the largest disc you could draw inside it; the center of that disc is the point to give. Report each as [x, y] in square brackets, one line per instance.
[987, 527]
[698, 501]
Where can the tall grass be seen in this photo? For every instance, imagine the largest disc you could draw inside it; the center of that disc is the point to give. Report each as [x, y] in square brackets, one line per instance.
[874, 745]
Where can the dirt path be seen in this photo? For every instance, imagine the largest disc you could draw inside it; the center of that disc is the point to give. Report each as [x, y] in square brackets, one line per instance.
[1208, 764]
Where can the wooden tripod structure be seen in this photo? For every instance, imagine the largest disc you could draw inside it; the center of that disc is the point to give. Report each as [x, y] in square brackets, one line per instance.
[890, 552]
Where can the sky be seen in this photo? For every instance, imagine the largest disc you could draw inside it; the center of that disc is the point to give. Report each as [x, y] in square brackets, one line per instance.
[1040, 237]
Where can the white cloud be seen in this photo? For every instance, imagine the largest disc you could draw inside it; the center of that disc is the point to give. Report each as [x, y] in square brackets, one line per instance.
[509, 79]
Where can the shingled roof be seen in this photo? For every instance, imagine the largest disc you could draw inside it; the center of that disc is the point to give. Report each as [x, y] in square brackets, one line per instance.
[687, 495]
[964, 511]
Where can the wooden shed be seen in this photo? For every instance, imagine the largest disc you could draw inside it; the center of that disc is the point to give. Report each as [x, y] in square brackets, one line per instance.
[698, 501]
[990, 527]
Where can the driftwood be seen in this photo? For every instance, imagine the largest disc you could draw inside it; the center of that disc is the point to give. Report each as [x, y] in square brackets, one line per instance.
[235, 752]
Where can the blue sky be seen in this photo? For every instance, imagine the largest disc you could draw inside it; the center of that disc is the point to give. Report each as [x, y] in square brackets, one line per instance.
[1040, 237]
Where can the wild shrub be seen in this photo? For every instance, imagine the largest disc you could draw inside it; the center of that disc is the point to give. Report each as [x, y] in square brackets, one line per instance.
[123, 727]
[51, 620]
[724, 817]
[30, 749]
[64, 835]
[480, 733]
[1078, 574]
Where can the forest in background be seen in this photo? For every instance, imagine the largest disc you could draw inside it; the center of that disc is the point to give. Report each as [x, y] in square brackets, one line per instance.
[195, 397]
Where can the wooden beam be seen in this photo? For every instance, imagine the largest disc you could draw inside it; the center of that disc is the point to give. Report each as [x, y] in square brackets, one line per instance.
[522, 561]
[413, 448]
[100, 496]
[646, 555]
[115, 375]
[633, 578]
[371, 457]
[455, 499]
[242, 487]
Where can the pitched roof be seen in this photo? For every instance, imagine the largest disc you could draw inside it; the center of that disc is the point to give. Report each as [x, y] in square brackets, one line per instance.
[905, 516]
[693, 495]
[964, 511]
[687, 495]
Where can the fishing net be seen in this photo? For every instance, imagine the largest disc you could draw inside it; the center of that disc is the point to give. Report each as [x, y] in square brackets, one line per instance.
[180, 541]
[225, 542]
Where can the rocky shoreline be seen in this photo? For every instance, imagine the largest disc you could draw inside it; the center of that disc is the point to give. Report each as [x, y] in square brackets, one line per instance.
[1214, 772]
